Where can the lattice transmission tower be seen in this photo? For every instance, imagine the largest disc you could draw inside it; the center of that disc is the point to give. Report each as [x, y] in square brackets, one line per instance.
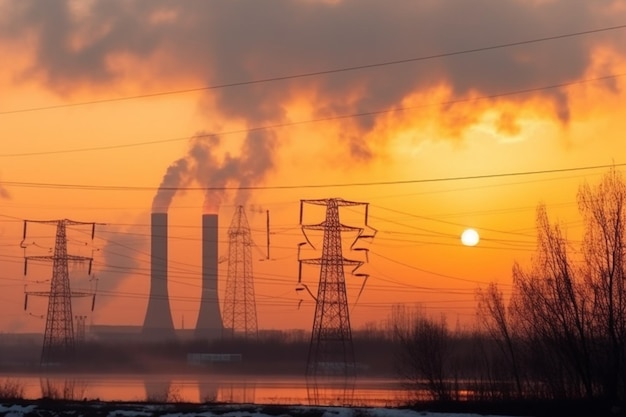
[59, 344]
[239, 312]
[331, 351]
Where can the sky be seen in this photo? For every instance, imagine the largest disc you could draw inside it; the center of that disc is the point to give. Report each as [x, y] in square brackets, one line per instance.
[441, 115]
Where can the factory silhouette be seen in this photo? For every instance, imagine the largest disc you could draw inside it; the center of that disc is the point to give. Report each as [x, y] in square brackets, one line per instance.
[158, 322]
[330, 349]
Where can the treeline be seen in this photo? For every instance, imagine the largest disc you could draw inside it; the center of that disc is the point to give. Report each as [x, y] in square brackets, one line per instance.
[561, 335]
[564, 332]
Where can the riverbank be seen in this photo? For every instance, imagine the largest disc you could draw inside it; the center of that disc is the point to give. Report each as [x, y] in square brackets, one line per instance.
[47, 408]
[50, 408]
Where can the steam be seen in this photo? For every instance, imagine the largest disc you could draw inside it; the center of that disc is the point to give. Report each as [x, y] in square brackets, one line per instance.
[112, 263]
[218, 172]
[117, 264]
[175, 177]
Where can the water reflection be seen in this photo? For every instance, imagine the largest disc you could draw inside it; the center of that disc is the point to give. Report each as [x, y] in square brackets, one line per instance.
[208, 391]
[158, 389]
[237, 393]
[335, 391]
[212, 388]
[62, 388]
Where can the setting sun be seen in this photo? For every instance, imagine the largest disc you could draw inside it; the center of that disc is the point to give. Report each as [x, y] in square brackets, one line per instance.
[470, 237]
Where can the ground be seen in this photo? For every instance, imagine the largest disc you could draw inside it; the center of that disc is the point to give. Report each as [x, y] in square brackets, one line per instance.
[107, 409]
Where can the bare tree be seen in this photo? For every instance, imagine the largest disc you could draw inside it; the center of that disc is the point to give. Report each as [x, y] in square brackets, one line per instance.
[424, 352]
[571, 315]
[495, 319]
[602, 208]
[550, 313]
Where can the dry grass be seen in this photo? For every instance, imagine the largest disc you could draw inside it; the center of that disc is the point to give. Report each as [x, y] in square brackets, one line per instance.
[11, 390]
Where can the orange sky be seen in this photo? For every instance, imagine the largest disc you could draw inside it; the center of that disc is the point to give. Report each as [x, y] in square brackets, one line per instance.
[456, 116]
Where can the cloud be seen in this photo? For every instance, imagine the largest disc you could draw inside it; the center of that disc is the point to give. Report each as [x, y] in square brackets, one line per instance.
[221, 42]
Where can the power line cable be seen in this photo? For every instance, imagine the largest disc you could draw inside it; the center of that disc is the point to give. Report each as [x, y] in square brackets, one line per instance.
[429, 272]
[322, 119]
[85, 187]
[323, 72]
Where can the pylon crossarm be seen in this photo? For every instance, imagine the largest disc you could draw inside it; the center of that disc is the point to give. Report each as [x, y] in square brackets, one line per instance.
[81, 294]
[311, 261]
[358, 296]
[52, 258]
[340, 261]
[341, 227]
[39, 258]
[38, 293]
[346, 228]
[318, 226]
[338, 201]
[361, 235]
[308, 242]
[48, 294]
[357, 265]
[365, 250]
[304, 287]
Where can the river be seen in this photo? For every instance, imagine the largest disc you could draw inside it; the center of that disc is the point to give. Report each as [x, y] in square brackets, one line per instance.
[256, 389]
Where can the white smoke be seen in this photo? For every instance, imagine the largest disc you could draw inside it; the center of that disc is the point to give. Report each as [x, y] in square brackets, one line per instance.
[204, 166]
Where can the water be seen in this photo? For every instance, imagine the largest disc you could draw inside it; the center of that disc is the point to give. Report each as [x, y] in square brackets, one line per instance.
[210, 388]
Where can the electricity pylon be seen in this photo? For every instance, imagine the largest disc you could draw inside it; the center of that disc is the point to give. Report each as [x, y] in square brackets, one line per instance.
[331, 351]
[58, 341]
[239, 313]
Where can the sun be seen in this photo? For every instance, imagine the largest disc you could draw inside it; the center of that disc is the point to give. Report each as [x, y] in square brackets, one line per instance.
[470, 237]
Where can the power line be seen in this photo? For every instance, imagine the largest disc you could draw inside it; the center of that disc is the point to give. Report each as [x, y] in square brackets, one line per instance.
[318, 120]
[429, 272]
[85, 187]
[417, 216]
[323, 72]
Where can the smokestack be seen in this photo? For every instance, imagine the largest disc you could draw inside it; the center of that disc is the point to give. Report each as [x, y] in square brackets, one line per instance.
[158, 321]
[209, 324]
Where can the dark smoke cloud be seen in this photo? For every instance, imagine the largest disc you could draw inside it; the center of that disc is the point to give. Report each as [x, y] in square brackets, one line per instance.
[215, 42]
[257, 159]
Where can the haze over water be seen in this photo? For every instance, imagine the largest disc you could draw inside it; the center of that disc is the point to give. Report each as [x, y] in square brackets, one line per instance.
[216, 388]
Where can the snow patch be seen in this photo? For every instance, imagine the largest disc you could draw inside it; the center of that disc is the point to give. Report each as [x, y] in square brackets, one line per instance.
[15, 410]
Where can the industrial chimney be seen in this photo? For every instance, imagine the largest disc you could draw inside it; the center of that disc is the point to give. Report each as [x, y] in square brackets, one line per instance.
[158, 322]
[209, 324]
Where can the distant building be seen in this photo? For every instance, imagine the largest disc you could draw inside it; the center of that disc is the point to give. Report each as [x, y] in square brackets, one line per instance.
[204, 359]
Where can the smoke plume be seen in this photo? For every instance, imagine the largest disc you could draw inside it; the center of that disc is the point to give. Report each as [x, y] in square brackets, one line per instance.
[216, 171]
[115, 260]
[176, 176]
